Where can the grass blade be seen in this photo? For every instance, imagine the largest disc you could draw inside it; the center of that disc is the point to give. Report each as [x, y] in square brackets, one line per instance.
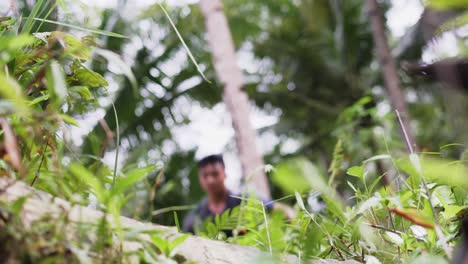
[97, 31]
[192, 58]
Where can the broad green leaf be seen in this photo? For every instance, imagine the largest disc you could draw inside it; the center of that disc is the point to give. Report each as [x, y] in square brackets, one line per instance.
[16, 42]
[72, 45]
[123, 183]
[87, 77]
[18, 204]
[356, 171]
[69, 120]
[87, 178]
[447, 4]
[448, 172]
[459, 21]
[161, 244]
[82, 91]
[176, 242]
[38, 99]
[116, 60]
[298, 174]
[56, 82]
[452, 210]
[395, 238]
[10, 90]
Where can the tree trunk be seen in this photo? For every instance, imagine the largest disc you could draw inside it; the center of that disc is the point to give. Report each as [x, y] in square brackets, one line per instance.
[230, 75]
[388, 67]
[13, 9]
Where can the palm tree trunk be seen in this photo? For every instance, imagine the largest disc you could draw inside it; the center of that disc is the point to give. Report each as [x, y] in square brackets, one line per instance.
[388, 67]
[230, 75]
[13, 9]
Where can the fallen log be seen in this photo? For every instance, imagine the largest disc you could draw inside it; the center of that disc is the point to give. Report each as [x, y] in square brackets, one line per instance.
[196, 249]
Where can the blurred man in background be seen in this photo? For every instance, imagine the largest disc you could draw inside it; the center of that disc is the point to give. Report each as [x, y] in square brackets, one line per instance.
[211, 174]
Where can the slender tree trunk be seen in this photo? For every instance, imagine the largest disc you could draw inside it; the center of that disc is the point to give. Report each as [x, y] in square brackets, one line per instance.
[230, 75]
[13, 9]
[388, 67]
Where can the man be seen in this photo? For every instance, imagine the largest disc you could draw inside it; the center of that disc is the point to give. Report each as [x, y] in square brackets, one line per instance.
[212, 175]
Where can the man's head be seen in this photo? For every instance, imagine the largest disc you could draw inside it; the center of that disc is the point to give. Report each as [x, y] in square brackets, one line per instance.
[211, 174]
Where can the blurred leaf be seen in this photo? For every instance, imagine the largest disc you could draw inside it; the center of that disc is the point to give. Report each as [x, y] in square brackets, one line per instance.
[11, 145]
[87, 77]
[298, 174]
[299, 200]
[56, 82]
[68, 119]
[415, 217]
[90, 180]
[395, 238]
[161, 244]
[448, 172]
[72, 45]
[15, 42]
[356, 171]
[28, 25]
[447, 4]
[132, 177]
[10, 90]
[459, 21]
[176, 242]
[116, 60]
[97, 31]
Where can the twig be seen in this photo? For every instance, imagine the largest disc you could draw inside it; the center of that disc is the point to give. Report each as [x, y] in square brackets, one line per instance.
[393, 226]
[390, 230]
[109, 136]
[36, 175]
[415, 162]
[11, 146]
[405, 134]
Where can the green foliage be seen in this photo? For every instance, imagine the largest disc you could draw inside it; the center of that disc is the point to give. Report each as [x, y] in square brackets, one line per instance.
[316, 70]
[45, 86]
[377, 222]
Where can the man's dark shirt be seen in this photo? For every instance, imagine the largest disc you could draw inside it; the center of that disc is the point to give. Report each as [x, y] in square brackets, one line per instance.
[202, 212]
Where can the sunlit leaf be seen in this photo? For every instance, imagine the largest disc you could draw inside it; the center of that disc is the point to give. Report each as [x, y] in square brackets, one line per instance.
[356, 171]
[87, 77]
[56, 82]
[447, 4]
[90, 180]
[395, 238]
[69, 120]
[448, 172]
[123, 183]
[299, 175]
[116, 60]
[10, 90]
[176, 242]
